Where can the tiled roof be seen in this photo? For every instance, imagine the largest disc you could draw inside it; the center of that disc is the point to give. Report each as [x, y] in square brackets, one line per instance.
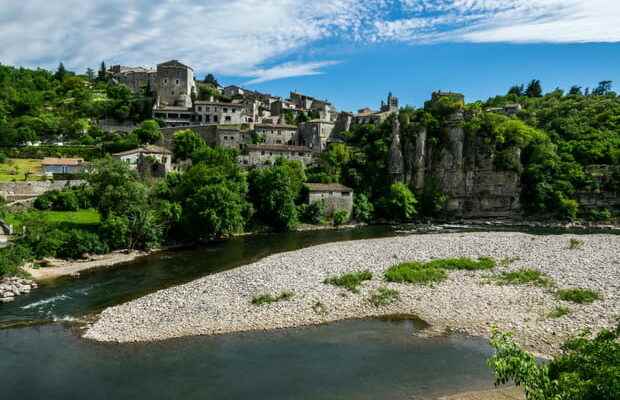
[328, 187]
[148, 149]
[62, 161]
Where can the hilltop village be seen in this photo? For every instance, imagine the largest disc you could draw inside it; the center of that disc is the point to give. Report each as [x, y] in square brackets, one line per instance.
[261, 126]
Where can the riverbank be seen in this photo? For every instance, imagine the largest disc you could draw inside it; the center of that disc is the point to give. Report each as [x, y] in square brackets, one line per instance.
[465, 302]
[56, 268]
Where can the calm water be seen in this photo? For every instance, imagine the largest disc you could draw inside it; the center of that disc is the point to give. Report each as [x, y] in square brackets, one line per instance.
[365, 359]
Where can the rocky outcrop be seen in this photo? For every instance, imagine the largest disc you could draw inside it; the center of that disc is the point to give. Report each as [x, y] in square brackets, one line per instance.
[13, 287]
[464, 170]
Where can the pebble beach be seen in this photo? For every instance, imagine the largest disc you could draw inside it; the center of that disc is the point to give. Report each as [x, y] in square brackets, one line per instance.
[468, 301]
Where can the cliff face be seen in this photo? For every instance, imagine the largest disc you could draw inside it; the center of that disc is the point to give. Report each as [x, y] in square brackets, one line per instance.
[464, 170]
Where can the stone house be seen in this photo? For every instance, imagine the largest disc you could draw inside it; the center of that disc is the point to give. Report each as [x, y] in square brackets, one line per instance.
[175, 84]
[51, 166]
[267, 154]
[136, 78]
[213, 112]
[174, 116]
[276, 133]
[368, 116]
[334, 195]
[316, 134]
[156, 157]
[233, 138]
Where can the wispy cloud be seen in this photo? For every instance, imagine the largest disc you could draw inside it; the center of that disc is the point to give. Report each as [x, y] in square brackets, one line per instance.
[241, 37]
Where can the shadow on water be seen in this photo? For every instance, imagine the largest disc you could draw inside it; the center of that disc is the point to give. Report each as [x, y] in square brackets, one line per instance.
[359, 359]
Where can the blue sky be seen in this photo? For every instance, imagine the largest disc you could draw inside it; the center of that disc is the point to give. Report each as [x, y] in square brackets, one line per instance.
[350, 51]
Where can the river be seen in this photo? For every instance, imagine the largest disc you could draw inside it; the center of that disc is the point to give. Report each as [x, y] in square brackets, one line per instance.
[43, 356]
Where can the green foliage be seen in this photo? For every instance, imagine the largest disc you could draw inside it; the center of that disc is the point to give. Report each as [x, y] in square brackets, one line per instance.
[523, 277]
[341, 217]
[575, 244]
[350, 281]
[588, 368]
[12, 258]
[559, 312]
[415, 272]
[578, 295]
[534, 89]
[65, 200]
[312, 213]
[384, 296]
[186, 143]
[273, 192]
[3, 158]
[148, 132]
[268, 298]
[432, 199]
[363, 209]
[46, 240]
[399, 204]
[462, 263]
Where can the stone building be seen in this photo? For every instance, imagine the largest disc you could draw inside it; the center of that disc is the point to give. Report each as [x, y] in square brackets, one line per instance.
[136, 78]
[175, 85]
[335, 196]
[233, 137]
[51, 166]
[276, 134]
[157, 160]
[391, 105]
[368, 116]
[174, 116]
[316, 134]
[214, 112]
[267, 154]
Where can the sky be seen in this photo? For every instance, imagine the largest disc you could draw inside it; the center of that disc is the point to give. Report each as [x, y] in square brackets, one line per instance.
[352, 52]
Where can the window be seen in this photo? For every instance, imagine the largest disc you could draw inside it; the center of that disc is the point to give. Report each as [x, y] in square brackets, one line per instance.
[165, 81]
[215, 118]
[278, 142]
[207, 118]
[199, 108]
[346, 194]
[262, 153]
[226, 110]
[177, 81]
[227, 118]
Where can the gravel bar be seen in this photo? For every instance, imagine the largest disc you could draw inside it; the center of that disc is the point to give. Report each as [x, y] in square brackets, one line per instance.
[466, 302]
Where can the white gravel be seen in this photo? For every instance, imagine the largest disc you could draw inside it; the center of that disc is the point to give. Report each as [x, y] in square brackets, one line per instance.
[221, 303]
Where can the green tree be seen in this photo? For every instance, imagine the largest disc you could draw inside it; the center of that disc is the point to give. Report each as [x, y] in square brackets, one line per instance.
[534, 89]
[399, 204]
[603, 88]
[517, 90]
[148, 132]
[210, 80]
[363, 209]
[588, 368]
[61, 72]
[186, 143]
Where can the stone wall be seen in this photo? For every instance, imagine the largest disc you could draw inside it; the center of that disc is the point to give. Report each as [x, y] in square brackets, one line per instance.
[13, 191]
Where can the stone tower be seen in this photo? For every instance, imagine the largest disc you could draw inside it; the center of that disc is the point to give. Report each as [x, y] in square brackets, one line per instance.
[175, 84]
[396, 164]
[391, 105]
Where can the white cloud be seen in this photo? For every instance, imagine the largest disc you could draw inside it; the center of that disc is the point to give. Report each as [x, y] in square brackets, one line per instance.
[240, 37]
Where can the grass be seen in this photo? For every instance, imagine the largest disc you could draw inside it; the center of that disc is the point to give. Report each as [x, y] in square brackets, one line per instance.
[575, 244]
[415, 272]
[559, 312]
[434, 270]
[15, 169]
[384, 296]
[462, 263]
[268, 298]
[507, 261]
[579, 296]
[524, 276]
[83, 219]
[350, 281]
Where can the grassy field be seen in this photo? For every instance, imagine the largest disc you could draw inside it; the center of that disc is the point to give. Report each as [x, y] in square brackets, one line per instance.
[16, 169]
[83, 219]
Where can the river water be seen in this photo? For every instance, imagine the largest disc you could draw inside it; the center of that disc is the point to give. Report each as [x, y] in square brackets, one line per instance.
[43, 356]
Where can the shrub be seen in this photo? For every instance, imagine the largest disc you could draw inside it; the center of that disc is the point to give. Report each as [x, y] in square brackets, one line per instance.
[415, 272]
[586, 369]
[78, 242]
[575, 244]
[312, 213]
[462, 263]
[399, 204]
[115, 232]
[66, 201]
[559, 312]
[523, 277]
[3, 158]
[384, 296]
[341, 217]
[268, 298]
[350, 281]
[600, 215]
[11, 259]
[579, 296]
[363, 210]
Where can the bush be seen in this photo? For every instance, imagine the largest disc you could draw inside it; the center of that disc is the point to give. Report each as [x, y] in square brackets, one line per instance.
[341, 217]
[66, 200]
[575, 244]
[78, 242]
[3, 158]
[312, 213]
[587, 369]
[559, 312]
[579, 296]
[462, 263]
[363, 210]
[399, 204]
[114, 231]
[11, 259]
[384, 296]
[524, 277]
[415, 272]
[600, 215]
[268, 298]
[350, 281]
